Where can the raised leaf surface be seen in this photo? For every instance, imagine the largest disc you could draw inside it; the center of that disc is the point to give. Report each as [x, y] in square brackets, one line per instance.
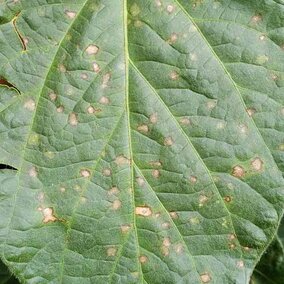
[147, 138]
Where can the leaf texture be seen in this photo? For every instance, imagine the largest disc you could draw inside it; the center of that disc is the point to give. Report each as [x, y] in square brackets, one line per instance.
[147, 138]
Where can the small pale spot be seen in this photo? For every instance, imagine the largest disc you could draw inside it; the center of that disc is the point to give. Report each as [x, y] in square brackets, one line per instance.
[143, 211]
[121, 160]
[138, 24]
[125, 228]
[262, 59]
[193, 179]
[62, 189]
[228, 198]
[156, 173]
[143, 128]
[107, 172]
[256, 19]
[49, 154]
[211, 104]
[257, 164]
[62, 68]
[91, 110]
[193, 56]
[85, 173]
[246, 249]
[251, 111]
[104, 100]
[185, 121]
[166, 242]
[168, 141]
[173, 38]
[134, 10]
[70, 14]
[178, 248]
[262, 37]
[281, 147]
[166, 225]
[202, 200]
[140, 181]
[165, 251]
[158, 214]
[170, 8]
[83, 200]
[111, 251]
[274, 77]
[106, 79]
[84, 76]
[240, 264]
[174, 75]
[33, 172]
[158, 3]
[30, 105]
[205, 278]
[96, 67]
[194, 220]
[60, 109]
[143, 259]
[232, 246]
[40, 196]
[155, 164]
[243, 128]
[73, 119]
[48, 215]
[113, 191]
[174, 215]
[34, 139]
[92, 49]
[116, 204]
[232, 237]
[238, 171]
[52, 96]
[153, 118]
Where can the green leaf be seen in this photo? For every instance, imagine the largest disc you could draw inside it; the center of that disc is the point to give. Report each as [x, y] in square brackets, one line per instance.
[146, 137]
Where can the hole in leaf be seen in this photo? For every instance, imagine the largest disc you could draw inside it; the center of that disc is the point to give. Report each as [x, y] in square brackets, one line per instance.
[22, 39]
[7, 167]
[6, 83]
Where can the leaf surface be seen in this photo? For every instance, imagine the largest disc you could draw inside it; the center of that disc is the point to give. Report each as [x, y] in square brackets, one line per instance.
[146, 137]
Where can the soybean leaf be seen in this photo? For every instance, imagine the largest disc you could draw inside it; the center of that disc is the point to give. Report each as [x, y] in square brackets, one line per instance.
[144, 139]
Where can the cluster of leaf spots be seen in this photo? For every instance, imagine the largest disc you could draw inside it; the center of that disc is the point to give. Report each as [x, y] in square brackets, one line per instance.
[140, 139]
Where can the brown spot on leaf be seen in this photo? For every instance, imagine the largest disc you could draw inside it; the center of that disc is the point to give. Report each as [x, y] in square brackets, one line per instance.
[143, 128]
[143, 259]
[143, 211]
[140, 181]
[156, 173]
[168, 141]
[96, 67]
[73, 119]
[111, 251]
[238, 171]
[116, 204]
[107, 172]
[30, 105]
[205, 277]
[70, 14]
[33, 172]
[52, 96]
[92, 49]
[85, 173]
[125, 228]
[153, 118]
[121, 160]
[104, 100]
[48, 215]
[257, 164]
